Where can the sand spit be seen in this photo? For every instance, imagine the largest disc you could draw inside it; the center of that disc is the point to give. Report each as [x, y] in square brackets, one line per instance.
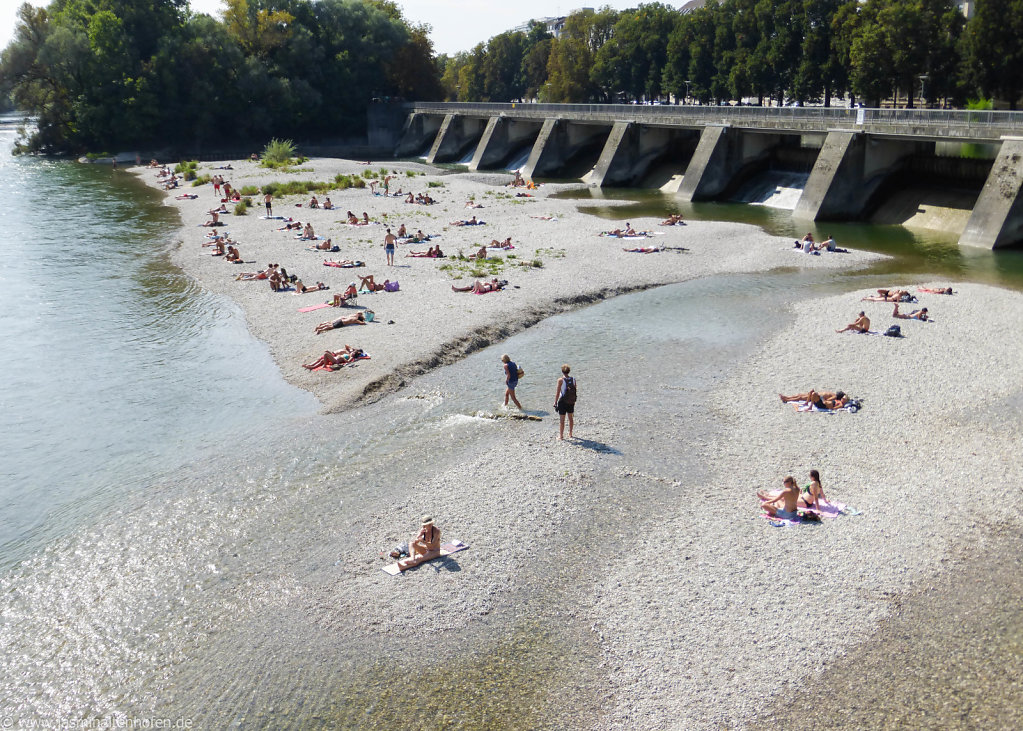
[432, 325]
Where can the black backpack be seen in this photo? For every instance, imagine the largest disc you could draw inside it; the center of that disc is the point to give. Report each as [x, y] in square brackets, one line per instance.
[894, 331]
[569, 398]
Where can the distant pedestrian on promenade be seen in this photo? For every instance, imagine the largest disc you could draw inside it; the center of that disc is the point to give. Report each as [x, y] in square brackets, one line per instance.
[511, 380]
[389, 241]
[564, 401]
[268, 201]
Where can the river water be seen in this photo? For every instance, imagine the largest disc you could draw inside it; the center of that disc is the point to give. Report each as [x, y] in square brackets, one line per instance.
[161, 479]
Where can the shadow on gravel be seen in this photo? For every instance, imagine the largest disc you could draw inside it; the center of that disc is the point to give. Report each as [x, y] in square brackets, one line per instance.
[595, 446]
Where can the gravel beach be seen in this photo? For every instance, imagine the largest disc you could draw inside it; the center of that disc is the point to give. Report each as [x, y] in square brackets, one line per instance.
[684, 608]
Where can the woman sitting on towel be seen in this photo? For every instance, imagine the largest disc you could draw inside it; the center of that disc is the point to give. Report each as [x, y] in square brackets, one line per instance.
[402, 232]
[336, 359]
[352, 219]
[813, 494]
[313, 203]
[357, 319]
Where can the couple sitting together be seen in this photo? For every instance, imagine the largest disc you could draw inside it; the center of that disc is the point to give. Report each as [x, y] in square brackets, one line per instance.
[786, 502]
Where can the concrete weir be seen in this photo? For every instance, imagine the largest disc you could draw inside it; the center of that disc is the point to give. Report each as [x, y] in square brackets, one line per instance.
[856, 157]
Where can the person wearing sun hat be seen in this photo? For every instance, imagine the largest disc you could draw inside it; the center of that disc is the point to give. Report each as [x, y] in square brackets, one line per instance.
[425, 546]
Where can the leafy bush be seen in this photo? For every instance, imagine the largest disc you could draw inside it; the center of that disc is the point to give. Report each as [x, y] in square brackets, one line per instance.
[249, 190]
[242, 206]
[201, 180]
[411, 173]
[369, 174]
[278, 153]
[384, 172]
[435, 184]
[186, 166]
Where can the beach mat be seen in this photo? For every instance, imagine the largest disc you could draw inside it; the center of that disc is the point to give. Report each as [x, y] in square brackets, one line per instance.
[446, 549]
[311, 308]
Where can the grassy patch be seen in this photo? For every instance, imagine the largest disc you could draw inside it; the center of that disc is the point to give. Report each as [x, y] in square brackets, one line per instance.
[241, 207]
[552, 253]
[249, 190]
[435, 184]
[201, 180]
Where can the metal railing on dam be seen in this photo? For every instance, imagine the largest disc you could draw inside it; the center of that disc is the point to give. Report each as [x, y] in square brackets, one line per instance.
[966, 125]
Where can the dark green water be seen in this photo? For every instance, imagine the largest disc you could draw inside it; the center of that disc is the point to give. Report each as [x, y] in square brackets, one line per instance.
[914, 253]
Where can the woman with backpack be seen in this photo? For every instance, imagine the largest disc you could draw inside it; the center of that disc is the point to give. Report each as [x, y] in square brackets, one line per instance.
[564, 400]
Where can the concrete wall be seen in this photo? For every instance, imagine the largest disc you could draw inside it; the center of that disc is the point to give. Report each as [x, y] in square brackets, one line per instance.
[563, 149]
[455, 137]
[633, 149]
[418, 131]
[720, 159]
[849, 170]
[997, 219]
[501, 139]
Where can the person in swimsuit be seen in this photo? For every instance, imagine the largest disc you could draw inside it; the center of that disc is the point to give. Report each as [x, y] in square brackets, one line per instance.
[889, 295]
[356, 319]
[325, 245]
[233, 256]
[402, 232]
[302, 289]
[389, 242]
[941, 290]
[784, 504]
[313, 203]
[479, 287]
[268, 202]
[861, 324]
[511, 380]
[425, 546]
[824, 400]
[370, 284]
[920, 314]
[813, 494]
[335, 360]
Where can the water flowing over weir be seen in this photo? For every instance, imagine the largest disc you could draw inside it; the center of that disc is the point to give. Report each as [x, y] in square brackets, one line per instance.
[774, 189]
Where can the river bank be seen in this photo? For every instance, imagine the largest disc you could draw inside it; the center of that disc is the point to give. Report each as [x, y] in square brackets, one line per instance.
[432, 325]
[629, 568]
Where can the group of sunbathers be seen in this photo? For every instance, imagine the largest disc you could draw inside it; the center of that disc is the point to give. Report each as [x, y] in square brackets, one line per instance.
[470, 222]
[820, 400]
[354, 220]
[675, 219]
[809, 246]
[787, 502]
[327, 205]
[433, 252]
[422, 199]
[337, 359]
[896, 296]
[624, 232]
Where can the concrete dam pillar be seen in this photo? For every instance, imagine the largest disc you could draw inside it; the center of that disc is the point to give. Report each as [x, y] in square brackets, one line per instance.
[501, 139]
[849, 169]
[721, 155]
[997, 218]
[417, 132]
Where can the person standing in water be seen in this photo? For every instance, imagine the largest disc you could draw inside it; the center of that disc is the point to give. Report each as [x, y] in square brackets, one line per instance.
[564, 400]
[511, 380]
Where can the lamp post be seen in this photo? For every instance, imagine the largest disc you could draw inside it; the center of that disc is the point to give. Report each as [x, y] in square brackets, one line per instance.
[688, 82]
[923, 88]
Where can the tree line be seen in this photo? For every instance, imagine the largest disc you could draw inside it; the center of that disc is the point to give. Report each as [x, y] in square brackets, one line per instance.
[807, 51]
[109, 74]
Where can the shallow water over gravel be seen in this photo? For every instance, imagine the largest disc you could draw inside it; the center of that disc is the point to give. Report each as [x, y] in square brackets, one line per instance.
[184, 590]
